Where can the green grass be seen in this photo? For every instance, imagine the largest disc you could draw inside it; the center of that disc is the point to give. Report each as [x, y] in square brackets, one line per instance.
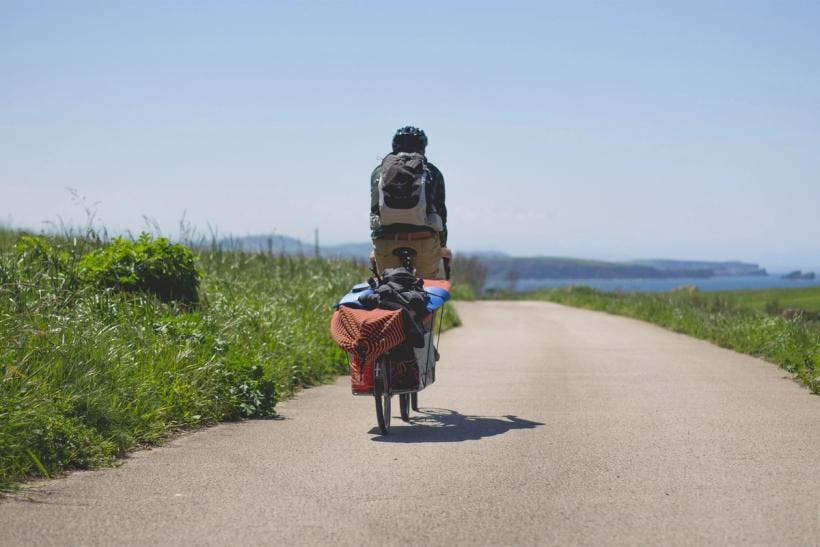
[775, 300]
[89, 373]
[735, 320]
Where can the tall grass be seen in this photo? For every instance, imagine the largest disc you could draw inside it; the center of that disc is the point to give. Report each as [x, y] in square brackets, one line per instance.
[792, 342]
[89, 373]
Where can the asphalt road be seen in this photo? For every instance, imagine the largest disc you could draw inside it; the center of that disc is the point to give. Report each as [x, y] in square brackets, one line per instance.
[547, 425]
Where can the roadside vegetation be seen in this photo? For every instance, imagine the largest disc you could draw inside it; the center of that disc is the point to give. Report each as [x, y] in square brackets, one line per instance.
[805, 300]
[778, 325]
[469, 276]
[109, 345]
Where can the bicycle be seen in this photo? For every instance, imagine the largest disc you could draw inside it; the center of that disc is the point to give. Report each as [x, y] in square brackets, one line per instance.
[385, 380]
[383, 390]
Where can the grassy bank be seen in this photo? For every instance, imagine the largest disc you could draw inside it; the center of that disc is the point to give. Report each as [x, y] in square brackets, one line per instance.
[88, 373]
[737, 320]
[776, 301]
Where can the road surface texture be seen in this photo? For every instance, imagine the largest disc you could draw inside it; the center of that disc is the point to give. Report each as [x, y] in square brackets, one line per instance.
[547, 425]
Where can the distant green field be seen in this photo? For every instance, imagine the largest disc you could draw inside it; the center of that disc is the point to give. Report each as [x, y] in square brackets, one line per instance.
[772, 300]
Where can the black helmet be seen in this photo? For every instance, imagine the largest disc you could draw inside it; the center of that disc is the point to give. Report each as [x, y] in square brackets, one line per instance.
[409, 139]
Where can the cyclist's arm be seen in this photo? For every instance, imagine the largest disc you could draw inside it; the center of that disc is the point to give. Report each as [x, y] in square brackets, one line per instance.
[375, 222]
[439, 195]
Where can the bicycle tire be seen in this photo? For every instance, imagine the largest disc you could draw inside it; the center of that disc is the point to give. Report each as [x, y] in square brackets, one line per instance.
[382, 406]
[404, 406]
[414, 400]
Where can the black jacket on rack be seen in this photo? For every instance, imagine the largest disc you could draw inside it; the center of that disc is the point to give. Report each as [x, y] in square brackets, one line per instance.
[401, 290]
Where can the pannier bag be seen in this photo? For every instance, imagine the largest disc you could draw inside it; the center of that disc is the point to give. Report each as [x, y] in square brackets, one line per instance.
[404, 368]
[403, 189]
[361, 376]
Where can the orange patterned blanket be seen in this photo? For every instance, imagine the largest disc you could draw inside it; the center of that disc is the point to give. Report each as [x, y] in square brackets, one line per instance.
[366, 334]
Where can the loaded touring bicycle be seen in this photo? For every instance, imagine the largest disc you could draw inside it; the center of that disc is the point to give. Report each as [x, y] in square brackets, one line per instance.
[390, 346]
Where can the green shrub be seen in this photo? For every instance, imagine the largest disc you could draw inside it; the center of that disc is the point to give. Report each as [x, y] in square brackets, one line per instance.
[158, 267]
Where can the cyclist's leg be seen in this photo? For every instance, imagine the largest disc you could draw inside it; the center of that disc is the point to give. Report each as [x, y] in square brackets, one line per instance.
[428, 259]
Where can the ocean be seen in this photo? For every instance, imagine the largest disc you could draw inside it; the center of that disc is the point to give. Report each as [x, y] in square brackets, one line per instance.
[721, 283]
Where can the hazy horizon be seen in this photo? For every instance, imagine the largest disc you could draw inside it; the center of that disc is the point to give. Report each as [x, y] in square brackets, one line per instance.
[774, 265]
[594, 130]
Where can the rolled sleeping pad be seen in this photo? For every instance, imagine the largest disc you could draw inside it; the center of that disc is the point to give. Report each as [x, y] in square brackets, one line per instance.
[444, 294]
[351, 299]
[434, 302]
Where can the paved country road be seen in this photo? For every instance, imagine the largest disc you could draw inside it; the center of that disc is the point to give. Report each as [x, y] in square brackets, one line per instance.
[546, 425]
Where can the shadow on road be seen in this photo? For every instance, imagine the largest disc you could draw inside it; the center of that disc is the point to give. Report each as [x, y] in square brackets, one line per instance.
[441, 425]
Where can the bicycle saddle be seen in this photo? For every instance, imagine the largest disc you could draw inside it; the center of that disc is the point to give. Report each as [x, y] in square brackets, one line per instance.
[403, 252]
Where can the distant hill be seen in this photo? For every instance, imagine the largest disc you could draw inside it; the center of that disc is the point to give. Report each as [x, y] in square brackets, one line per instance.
[276, 244]
[573, 268]
[717, 268]
[356, 251]
[281, 244]
[501, 266]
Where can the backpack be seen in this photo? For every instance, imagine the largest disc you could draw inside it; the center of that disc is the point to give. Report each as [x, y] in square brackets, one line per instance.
[403, 189]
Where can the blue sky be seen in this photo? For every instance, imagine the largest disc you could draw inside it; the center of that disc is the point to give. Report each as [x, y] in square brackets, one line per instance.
[606, 129]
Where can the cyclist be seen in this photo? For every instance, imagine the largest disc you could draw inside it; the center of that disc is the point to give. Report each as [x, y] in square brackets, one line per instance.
[424, 231]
